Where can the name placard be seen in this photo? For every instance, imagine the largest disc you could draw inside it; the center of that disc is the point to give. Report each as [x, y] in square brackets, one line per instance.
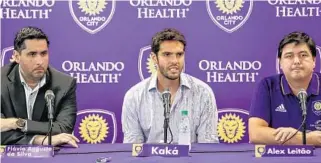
[283, 150]
[27, 151]
[165, 150]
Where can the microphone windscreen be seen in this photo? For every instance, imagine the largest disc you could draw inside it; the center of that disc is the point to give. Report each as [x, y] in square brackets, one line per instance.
[49, 94]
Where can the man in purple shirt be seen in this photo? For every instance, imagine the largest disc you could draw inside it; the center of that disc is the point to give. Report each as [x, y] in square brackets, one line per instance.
[275, 113]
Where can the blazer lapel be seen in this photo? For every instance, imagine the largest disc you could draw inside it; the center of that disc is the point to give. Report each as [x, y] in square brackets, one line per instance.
[17, 94]
[39, 106]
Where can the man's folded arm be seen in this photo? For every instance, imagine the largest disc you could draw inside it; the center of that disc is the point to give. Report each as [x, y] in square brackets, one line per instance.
[260, 115]
[260, 133]
[11, 135]
[15, 137]
[130, 123]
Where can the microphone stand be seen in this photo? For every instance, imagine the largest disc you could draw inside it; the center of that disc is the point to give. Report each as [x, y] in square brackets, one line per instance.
[304, 115]
[50, 117]
[166, 120]
[50, 132]
[304, 127]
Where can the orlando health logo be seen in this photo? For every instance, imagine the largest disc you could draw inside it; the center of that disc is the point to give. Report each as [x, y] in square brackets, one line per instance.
[92, 15]
[229, 15]
[26, 9]
[298, 8]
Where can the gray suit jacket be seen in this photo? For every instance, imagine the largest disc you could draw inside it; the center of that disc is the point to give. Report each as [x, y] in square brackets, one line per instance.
[13, 104]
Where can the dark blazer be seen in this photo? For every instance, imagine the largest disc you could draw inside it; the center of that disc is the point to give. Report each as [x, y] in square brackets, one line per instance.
[13, 104]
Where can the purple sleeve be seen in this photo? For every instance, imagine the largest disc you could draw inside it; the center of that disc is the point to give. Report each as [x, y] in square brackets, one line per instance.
[261, 102]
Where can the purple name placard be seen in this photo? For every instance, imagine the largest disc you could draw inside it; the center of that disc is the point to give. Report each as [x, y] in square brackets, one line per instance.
[165, 150]
[283, 150]
[27, 151]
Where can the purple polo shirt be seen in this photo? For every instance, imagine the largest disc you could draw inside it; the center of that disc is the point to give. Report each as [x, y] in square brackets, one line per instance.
[274, 102]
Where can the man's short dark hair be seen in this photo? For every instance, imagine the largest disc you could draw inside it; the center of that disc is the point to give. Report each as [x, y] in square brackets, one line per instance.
[28, 33]
[168, 34]
[297, 38]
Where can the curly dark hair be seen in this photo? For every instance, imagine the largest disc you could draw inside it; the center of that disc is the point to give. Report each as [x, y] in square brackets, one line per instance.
[28, 33]
[167, 34]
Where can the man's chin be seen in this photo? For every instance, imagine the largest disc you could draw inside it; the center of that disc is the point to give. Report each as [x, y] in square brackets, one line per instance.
[38, 76]
[297, 77]
[172, 77]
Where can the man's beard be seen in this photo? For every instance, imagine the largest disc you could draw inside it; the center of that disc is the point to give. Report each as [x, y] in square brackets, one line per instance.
[167, 76]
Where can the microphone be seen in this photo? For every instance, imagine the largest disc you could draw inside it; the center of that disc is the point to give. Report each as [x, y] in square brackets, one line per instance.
[50, 97]
[302, 95]
[166, 96]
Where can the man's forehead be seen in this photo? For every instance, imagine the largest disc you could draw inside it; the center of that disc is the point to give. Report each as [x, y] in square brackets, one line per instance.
[171, 46]
[35, 43]
[296, 47]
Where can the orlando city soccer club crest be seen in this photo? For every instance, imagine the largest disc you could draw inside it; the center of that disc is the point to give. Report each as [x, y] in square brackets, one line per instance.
[232, 126]
[92, 15]
[229, 15]
[94, 126]
[7, 55]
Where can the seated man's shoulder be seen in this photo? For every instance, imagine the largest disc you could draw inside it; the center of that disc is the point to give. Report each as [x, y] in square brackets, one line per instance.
[60, 77]
[6, 69]
[318, 74]
[140, 87]
[273, 80]
[318, 78]
[197, 84]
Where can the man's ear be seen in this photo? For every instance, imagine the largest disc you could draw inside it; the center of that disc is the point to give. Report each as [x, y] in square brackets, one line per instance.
[154, 58]
[15, 57]
[279, 60]
[314, 62]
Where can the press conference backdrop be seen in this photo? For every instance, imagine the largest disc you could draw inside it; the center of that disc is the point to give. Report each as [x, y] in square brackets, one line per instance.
[105, 45]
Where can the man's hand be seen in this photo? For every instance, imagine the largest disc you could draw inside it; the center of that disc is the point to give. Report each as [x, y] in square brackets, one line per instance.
[59, 139]
[315, 137]
[283, 133]
[64, 138]
[7, 124]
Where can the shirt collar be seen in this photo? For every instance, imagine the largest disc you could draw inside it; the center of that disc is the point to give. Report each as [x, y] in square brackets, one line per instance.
[313, 87]
[23, 82]
[183, 81]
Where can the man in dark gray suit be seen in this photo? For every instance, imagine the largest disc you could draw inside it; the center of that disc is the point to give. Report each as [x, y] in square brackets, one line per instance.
[24, 114]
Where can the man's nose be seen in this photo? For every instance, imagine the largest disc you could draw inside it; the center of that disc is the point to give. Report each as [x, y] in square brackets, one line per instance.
[296, 59]
[175, 58]
[39, 59]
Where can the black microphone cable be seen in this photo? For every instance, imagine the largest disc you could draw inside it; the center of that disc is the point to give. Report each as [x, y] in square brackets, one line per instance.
[47, 134]
[170, 131]
[302, 96]
[302, 123]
